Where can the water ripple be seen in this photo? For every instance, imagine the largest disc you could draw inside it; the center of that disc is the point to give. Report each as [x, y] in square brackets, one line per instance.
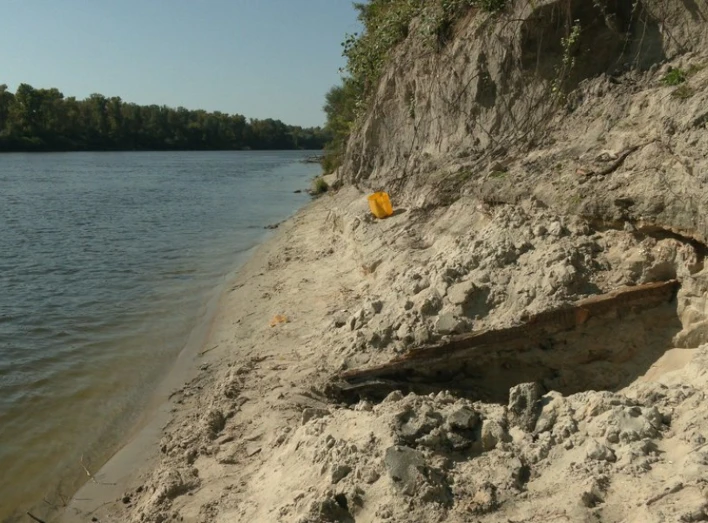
[106, 261]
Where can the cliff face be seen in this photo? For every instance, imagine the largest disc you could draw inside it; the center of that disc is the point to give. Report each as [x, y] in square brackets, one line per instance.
[568, 101]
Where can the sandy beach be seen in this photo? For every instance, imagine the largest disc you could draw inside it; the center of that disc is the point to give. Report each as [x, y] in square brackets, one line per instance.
[278, 280]
[254, 436]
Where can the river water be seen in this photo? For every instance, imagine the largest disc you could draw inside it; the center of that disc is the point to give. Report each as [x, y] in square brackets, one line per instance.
[107, 262]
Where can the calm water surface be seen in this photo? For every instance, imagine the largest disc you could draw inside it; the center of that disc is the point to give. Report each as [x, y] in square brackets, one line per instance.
[107, 261]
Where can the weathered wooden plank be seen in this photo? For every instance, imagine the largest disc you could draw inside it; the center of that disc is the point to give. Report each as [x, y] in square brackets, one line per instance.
[534, 332]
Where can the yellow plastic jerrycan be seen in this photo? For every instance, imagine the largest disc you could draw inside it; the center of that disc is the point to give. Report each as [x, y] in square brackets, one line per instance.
[380, 205]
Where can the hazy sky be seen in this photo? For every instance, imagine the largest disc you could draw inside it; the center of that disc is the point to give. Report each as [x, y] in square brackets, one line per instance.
[259, 58]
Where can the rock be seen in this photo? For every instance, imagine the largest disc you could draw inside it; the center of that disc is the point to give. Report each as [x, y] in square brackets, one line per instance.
[311, 413]
[415, 424]
[447, 323]
[331, 509]
[190, 456]
[339, 472]
[421, 335]
[556, 229]
[394, 396]
[431, 305]
[363, 406]
[419, 285]
[404, 332]
[553, 402]
[371, 476]
[380, 339]
[591, 498]
[463, 418]
[525, 405]
[213, 423]
[339, 321]
[170, 484]
[484, 500]
[628, 424]
[492, 434]
[404, 465]
[598, 452]
[458, 293]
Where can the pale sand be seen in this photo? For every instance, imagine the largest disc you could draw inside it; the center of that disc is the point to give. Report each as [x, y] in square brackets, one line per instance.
[268, 284]
[251, 438]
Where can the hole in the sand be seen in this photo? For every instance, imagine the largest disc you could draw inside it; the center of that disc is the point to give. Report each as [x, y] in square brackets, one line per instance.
[341, 500]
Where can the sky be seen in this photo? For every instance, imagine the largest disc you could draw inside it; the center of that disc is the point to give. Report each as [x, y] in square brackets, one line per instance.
[260, 58]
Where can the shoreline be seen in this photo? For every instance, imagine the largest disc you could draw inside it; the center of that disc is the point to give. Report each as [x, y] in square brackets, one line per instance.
[120, 473]
[107, 483]
[254, 437]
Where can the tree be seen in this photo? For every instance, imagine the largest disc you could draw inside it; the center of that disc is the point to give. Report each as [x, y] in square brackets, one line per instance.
[43, 120]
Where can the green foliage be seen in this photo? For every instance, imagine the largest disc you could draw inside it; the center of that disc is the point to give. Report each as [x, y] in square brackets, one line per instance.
[340, 109]
[319, 186]
[44, 120]
[569, 45]
[674, 77]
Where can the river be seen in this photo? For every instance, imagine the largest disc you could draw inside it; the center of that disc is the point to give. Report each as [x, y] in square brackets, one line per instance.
[107, 263]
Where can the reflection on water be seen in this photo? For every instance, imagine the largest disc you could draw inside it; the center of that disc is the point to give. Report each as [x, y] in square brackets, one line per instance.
[106, 263]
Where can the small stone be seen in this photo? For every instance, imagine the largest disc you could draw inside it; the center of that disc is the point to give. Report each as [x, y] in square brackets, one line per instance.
[214, 422]
[190, 456]
[421, 335]
[525, 405]
[556, 229]
[431, 306]
[371, 476]
[484, 500]
[463, 418]
[394, 396]
[403, 464]
[339, 472]
[404, 332]
[598, 452]
[377, 306]
[420, 285]
[492, 434]
[458, 293]
[447, 323]
[126, 500]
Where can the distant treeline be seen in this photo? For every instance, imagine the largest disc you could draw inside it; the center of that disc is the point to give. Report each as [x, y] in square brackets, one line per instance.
[44, 120]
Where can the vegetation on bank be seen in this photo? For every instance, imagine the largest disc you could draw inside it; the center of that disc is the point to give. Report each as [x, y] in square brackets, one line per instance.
[44, 120]
[386, 23]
